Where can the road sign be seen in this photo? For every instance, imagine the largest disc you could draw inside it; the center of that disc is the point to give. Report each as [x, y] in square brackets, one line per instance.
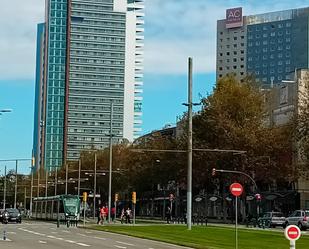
[236, 189]
[292, 232]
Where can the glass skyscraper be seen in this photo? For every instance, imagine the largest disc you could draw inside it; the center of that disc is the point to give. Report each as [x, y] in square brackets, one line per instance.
[91, 77]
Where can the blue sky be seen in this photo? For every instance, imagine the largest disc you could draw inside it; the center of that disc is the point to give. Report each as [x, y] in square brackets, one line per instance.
[174, 30]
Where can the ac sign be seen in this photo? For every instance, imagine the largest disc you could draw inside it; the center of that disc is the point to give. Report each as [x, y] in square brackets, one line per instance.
[234, 18]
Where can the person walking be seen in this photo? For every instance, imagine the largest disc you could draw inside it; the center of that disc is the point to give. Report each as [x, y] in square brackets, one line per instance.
[168, 215]
[128, 215]
[113, 214]
[102, 215]
[122, 216]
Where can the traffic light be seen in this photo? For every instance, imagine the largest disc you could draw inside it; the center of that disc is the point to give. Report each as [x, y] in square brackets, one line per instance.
[134, 197]
[213, 173]
[85, 195]
[33, 161]
[258, 197]
[116, 197]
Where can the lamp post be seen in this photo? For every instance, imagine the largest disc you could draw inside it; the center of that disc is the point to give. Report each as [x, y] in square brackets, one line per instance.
[94, 185]
[15, 192]
[110, 164]
[4, 190]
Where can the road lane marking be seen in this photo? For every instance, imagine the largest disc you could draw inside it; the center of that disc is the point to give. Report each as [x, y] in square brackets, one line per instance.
[91, 237]
[95, 237]
[82, 244]
[6, 240]
[11, 233]
[55, 238]
[70, 241]
[124, 243]
[42, 242]
[121, 247]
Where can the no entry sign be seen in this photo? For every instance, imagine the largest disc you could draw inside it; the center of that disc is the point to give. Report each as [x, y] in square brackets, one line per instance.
[236, 189]
[292, 232]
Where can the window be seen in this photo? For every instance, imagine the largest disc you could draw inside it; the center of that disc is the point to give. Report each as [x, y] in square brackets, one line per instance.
[234, 60]
[235, 52]
[235, 67]
[227, 53]
[235, 38]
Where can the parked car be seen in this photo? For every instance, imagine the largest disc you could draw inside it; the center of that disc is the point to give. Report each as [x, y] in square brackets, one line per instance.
[299, 218]
[14, 215]
[272, 219]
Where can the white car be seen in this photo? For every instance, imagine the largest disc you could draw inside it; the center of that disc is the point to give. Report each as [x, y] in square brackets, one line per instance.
[299, 218]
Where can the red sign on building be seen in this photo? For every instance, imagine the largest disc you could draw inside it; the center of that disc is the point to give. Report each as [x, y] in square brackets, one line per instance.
[234, 18]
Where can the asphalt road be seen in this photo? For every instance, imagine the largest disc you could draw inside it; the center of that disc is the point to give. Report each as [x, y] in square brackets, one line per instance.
[42, 235]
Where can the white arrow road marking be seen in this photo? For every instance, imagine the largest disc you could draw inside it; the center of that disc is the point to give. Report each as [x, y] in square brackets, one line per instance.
[124, 243]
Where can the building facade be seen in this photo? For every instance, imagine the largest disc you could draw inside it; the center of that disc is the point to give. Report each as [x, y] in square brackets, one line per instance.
[92, 77]
[269, 46]
[283, 102]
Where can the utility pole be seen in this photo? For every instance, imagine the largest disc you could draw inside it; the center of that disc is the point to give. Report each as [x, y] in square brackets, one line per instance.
[79, 170]
[25, 199]
[46, 190]
[31, 190]
[95, 185]
[110, 164]
[66, 177]
[15, 194]
[4, 191]
[189, 180]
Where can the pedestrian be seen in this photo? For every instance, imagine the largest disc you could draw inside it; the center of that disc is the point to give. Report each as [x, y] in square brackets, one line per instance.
[128, 215]
[102, 215]
[106, 212]
[98, 213]
[168, 215]
[113, 213]
[122, 216]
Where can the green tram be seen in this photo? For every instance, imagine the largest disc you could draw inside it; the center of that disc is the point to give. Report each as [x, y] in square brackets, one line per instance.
[62, 208]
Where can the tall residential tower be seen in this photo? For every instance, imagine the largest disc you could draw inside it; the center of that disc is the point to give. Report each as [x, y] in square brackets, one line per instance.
[89, 77]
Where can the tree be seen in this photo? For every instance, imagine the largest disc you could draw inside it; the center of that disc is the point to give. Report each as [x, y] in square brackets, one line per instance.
[233, 118]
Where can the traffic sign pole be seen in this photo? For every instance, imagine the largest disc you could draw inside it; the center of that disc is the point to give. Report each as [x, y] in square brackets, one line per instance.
[236, 221]
[292, 233]
[236, 190]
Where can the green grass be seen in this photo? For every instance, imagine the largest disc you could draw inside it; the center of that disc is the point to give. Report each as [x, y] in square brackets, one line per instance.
[208, 237]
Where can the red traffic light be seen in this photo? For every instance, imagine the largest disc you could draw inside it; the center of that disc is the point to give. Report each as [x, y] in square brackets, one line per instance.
[258, 197]
[213, 173]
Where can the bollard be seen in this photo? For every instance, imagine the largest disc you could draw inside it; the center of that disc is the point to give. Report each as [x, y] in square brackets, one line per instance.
[4, 232]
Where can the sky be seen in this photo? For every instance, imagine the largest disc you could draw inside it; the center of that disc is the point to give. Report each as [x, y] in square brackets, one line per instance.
[174, 31]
